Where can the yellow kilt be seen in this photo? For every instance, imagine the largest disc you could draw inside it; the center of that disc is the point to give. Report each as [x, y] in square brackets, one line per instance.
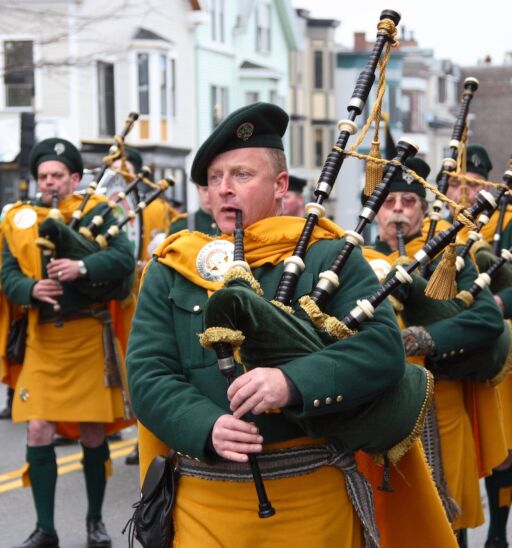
[458, 453]
[311, 510]
[505, 392]
[62, 376]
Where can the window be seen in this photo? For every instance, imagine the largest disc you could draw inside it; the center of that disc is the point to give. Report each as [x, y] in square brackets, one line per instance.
[297, 148]
[276, 99]
[163, 86]
[18, 73]
[318, 69]
[172, 87]
[441, 89]
[394, 111]
[106, 99]
[219, 104]
[263, 31]
[217, 20]
[319, 148]
[143, 82]
[251, 97]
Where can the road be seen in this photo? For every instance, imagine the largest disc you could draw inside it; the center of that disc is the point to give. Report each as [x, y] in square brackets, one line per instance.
[17, 516]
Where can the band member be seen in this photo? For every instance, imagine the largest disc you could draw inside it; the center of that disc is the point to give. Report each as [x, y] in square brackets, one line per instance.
[403, 216]
[200, 220]
[69, 373]
[293, 203]
[179, 394]
[497, 484]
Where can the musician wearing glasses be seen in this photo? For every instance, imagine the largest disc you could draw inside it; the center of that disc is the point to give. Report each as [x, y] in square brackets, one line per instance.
[182, 399]
[70, 373]
[497, 232]
[401, 233]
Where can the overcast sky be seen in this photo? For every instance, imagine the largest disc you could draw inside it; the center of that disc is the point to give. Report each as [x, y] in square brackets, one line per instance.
[463, 31]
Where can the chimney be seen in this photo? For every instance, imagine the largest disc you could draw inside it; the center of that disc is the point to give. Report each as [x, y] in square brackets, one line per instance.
[359, 41]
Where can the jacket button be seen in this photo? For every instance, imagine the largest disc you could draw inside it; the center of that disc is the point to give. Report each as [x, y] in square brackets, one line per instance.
[196, 308]
[316, 403]
[461, 351]
[328, 400]
[339, 398]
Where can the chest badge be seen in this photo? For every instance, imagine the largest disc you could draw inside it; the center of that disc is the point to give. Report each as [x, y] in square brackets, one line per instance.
[25, 218]
[214, 260]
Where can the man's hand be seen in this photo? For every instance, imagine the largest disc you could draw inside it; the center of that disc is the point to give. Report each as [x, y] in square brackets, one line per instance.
[63, 270]
[46, 290]
[233, 438]
[258, 391]
[417, 341]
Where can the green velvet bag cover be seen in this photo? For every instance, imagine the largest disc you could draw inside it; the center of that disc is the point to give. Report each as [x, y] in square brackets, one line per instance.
[274, 337]
[70, 244]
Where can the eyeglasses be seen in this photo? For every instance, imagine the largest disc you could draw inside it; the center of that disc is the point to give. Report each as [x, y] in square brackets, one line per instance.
[407, 200]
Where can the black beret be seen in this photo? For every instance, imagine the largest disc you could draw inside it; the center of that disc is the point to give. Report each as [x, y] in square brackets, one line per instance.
[133, 156]
[59, 150]
[296, 184]
[478, 161]
[259, 125]
[404, 182]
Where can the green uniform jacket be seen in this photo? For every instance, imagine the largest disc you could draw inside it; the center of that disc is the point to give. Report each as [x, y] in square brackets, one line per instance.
[506, 294]
[468, 330]
[178, 392]
[203, 222]
[112, 265]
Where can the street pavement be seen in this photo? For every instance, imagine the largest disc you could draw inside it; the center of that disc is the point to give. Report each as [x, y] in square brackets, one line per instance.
[17, 516]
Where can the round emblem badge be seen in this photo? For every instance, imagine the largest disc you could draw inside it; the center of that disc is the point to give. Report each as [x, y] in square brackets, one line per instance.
[381, 268]
[244, 131]
[25, 218]
[214, 259]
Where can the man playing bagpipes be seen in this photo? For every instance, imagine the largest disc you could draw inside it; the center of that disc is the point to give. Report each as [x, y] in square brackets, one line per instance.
[71, 371]
[444, 342]
[497, 232]
[179, 394]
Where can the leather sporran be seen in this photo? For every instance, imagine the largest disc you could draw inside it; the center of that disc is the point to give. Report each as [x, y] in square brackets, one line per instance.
[17, 339]
[151, 523]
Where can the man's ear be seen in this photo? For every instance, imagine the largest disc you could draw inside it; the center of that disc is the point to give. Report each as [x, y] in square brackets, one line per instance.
[281, 184]
[75, 180]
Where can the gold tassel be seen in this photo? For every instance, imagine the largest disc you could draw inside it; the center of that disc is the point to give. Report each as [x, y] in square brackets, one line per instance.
[373, 170]
[441, 285]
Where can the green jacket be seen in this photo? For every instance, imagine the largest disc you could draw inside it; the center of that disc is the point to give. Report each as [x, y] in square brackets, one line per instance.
[203, 222]
[468, 330]
[112, 265]
[178, 392]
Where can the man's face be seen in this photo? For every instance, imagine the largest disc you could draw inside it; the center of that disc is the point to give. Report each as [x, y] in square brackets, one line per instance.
[117, 164]
[454, 188]
[293, 204]
[400, 207]
[204, 199]
[55, 176]
[244, 179]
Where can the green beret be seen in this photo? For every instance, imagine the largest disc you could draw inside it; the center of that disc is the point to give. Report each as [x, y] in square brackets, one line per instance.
[478, 161]
[133, 156]
[59, 150]
[260, 125]
[403, 182]
[296, 184]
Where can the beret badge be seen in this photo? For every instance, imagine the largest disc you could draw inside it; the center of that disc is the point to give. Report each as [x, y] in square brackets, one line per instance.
[244, 131]
[59, 148]
[475, 159]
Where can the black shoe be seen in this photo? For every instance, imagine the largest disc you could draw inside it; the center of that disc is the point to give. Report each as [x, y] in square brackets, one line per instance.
[6, 413]
[40, 538]
[97, 536]
[133, 457]
[496, 542]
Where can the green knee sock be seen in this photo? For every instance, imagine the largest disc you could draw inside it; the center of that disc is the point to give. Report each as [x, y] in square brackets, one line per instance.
[95, 477]
[43, 477]
[498, 515]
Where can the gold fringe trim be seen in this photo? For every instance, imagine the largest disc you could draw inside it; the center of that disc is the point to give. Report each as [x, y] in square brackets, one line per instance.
[214, 335]
[402, 447]
[466, 298]
[43, 243]
[402, 260]
[282, 306]
[396, 304]
[314, 313]
[441, 285]
[239, 273]
[507, 366]
[337, 328]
